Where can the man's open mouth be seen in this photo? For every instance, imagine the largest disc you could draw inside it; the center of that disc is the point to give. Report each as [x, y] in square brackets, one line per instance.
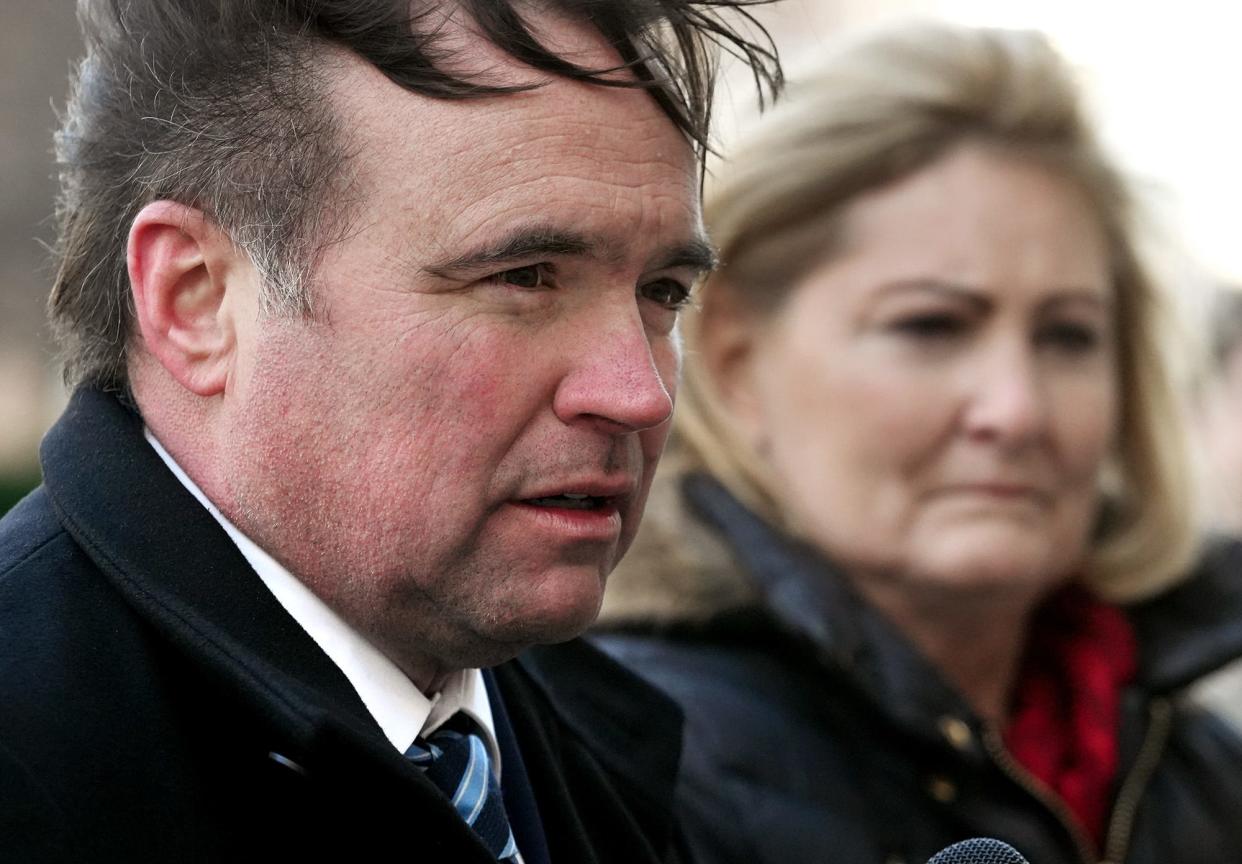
[570, 502]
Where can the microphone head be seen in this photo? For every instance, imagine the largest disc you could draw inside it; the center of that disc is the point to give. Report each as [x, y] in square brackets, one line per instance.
[978, 850]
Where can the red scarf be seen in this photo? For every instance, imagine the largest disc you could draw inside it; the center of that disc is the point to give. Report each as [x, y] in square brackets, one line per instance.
[1066, 710]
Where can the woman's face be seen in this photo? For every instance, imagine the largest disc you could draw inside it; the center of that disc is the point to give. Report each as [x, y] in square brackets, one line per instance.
[936, 400]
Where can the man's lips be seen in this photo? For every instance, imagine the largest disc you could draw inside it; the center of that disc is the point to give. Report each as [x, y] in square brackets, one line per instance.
[570, 501]
[584, 494]
[587, 509]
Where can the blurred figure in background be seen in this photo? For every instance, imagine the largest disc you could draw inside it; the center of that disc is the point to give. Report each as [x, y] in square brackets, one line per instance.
[922, 565]
[1219, 413]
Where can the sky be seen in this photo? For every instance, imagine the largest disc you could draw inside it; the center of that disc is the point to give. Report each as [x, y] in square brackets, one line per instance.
[1163, 79]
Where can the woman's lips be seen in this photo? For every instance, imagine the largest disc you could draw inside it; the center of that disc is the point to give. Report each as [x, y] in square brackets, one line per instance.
[1000, 491]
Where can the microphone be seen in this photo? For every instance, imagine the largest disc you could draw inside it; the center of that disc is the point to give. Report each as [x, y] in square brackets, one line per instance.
[978, 850]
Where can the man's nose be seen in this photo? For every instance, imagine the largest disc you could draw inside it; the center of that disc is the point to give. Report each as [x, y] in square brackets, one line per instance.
[615, 380]
[1007, 403]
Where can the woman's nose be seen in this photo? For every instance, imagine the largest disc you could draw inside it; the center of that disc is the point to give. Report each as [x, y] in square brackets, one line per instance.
[1007, 403]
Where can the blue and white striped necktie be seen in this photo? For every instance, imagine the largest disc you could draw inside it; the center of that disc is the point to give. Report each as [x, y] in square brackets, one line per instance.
[455, 758]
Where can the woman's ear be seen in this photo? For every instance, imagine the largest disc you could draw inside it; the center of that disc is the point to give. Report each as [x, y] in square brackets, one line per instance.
[186, 282]
[730, 335]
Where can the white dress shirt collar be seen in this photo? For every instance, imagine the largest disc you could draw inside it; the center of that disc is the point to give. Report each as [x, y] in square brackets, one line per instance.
[402, 711]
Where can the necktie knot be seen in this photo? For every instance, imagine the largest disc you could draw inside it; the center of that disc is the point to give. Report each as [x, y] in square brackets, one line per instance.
[456, 759]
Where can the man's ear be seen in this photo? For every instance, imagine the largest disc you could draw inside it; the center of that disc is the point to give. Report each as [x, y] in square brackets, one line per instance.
[729, 334]
[188, 290]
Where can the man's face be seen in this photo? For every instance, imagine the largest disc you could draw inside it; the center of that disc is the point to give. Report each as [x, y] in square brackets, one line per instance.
[495, 332]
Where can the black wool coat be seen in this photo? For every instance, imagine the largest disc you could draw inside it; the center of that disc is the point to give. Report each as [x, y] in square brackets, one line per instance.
[816, 732]
[158, 705]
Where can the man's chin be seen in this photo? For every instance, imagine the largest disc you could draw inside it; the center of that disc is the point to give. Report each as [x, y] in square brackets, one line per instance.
[546, 624]
[492, 648]
[551, 627]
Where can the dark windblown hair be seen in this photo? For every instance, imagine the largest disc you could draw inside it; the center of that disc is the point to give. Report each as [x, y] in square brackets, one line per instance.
[217, 104]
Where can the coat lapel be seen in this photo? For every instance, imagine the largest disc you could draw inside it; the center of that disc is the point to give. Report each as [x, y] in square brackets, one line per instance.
[601, 748]
[175, 565]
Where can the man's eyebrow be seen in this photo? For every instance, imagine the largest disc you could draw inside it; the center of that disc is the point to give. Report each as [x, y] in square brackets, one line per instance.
[520, 244]
[540, 241]
[698, 255]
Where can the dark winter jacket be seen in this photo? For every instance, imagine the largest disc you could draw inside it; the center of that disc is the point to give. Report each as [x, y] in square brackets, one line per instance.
[157, 704]
[817, 733]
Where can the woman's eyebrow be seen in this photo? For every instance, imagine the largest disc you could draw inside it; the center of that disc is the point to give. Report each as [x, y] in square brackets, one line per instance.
[952, 290]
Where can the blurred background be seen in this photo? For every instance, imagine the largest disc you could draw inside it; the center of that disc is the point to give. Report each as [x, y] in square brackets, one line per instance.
[1161, 78]
[38, 42]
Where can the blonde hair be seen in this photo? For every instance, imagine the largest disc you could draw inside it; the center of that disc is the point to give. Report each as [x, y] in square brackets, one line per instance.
[878, 110]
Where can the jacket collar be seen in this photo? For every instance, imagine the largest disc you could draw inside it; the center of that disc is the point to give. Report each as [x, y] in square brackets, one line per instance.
[1195, 628]
[175, 565]
[808, 598]
[629, 727]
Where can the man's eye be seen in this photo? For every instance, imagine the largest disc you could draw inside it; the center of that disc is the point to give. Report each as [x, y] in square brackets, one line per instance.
[530, 277]
[667, 292]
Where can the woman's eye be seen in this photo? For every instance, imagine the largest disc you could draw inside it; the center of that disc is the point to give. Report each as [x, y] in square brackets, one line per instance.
[531, 276]
[930, 326]
[667, 292]
[1073, 338]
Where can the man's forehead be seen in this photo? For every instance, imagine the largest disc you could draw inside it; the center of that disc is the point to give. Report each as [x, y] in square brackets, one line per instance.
[547, 137]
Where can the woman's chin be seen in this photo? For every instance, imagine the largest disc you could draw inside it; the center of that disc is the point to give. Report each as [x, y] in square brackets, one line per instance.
[996, 562]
